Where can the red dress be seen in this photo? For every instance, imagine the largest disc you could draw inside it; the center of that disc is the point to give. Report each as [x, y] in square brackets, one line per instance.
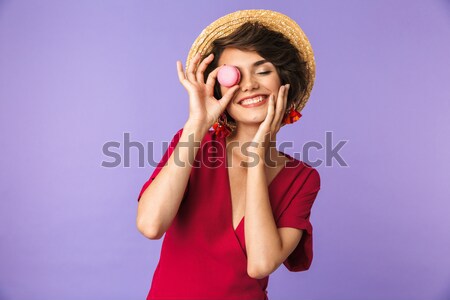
[202, 256]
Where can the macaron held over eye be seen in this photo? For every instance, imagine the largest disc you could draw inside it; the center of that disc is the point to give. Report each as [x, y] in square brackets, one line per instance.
[228, 76]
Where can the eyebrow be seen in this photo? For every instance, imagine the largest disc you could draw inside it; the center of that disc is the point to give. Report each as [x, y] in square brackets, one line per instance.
[260, 62]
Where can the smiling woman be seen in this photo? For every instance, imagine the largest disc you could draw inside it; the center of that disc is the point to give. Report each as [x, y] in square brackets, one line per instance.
[231, 218]
[273, 48]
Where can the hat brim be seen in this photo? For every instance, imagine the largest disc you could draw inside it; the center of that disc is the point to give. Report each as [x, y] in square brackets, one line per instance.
[271, 19]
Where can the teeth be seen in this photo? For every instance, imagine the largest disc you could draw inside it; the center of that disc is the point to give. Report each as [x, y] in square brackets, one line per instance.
[252, 100]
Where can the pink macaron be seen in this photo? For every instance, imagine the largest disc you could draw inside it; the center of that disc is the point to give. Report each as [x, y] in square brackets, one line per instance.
[228, 76]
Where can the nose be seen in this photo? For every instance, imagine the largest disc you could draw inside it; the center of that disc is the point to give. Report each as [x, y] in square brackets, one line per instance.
[248, 83]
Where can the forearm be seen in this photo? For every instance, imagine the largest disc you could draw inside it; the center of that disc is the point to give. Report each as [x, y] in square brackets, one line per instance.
[262, 239]
[161, 200]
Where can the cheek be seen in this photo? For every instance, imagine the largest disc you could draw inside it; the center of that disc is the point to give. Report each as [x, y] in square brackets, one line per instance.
[231, 110]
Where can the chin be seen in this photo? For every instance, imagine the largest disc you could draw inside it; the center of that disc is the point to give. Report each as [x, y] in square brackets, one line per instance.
[253, 121]
[255, 118]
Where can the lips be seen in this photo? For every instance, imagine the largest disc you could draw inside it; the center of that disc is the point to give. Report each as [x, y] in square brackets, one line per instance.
[254, 101]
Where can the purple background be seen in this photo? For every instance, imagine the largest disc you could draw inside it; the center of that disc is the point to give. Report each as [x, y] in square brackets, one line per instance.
[77, 74]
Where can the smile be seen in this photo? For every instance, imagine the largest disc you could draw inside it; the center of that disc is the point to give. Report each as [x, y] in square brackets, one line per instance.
[255, 101]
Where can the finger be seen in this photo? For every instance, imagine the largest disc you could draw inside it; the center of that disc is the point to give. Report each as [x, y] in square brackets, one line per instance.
[273, 129]
[181, 75]
[212, 77]
[190, 74]
[202, 67]
[283, 111]
[279, 106]
[270, 110]
[266, 124]
[226, 98]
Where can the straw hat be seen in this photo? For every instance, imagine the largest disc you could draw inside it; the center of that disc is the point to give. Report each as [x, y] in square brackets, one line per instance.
[272, 20]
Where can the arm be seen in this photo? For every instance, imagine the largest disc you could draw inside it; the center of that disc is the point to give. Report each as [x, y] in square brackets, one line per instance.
[161, 200]
[267, 246]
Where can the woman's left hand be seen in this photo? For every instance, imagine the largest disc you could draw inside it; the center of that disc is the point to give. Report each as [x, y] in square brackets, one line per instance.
[266, 134]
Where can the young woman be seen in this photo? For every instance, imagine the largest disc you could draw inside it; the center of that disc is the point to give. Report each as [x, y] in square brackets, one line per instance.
[233, 208]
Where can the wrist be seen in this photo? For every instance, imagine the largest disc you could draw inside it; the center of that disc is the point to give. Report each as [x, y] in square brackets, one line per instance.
[257, 147]
[195, 127]
[255, 152]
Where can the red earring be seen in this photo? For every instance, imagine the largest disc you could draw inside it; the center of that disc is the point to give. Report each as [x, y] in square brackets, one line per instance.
[221, 127]
[292, 116]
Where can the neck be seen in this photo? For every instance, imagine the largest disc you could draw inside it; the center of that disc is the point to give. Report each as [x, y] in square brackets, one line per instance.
[244, 133]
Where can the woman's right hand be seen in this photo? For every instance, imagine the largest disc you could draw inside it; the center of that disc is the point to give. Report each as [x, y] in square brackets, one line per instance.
[204, 108]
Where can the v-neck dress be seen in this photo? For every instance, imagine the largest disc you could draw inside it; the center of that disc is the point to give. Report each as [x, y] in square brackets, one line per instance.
[202, 255]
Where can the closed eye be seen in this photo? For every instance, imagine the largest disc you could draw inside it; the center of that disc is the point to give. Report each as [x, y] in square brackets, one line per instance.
[265, 72]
